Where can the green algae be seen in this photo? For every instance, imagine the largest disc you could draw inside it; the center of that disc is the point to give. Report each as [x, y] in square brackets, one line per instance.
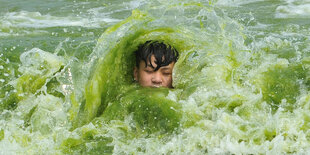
[195, 71]
[1, 134]
[29, 84]
[89, 143]
[36, 71]
[282, 82]
[151, 113]
[151, 110]
[231, 96]
[9, 102]
[113, 71]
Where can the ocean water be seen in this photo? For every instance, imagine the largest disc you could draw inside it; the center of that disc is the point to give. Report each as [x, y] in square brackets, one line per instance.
[241, 83]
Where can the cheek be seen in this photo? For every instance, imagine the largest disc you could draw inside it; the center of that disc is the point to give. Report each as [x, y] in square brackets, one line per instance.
[168, 78]
[144, 77]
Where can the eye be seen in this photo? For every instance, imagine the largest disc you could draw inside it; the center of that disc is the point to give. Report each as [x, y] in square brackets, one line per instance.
[148, 71]
[167, 73]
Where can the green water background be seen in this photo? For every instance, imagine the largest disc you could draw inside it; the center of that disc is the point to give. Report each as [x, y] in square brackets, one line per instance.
[242, 81]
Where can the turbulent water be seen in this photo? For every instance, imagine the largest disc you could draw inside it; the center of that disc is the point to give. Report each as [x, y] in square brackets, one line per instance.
[241, 84]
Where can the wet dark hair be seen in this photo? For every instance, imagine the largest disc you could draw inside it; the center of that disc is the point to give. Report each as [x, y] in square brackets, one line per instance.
[164, 54]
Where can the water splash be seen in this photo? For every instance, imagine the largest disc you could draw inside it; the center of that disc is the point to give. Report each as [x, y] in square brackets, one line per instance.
[238, 89]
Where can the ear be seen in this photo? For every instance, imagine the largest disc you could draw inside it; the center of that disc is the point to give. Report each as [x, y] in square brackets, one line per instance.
[135, 74]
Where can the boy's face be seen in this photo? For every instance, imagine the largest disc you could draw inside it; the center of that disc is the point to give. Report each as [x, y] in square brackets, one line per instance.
[147, 77]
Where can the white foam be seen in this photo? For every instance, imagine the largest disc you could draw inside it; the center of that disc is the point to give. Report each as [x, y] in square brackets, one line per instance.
[38, 20]
[293, 11]
[235, 2]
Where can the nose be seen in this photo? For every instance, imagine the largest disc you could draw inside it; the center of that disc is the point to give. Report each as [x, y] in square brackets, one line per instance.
[157, 79]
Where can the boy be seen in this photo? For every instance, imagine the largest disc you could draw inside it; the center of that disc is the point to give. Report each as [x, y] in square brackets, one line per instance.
[154, 64]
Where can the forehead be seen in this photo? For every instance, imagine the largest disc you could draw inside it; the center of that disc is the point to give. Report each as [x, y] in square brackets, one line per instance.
[151, 63]
[142, 65]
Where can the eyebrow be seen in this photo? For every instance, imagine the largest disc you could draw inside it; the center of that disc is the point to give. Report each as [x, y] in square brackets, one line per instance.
[165, 68]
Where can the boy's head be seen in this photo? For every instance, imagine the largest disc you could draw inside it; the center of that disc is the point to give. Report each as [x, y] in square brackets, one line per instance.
[154, 64]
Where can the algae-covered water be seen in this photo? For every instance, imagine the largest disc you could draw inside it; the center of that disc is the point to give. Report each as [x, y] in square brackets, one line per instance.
[241, 84]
